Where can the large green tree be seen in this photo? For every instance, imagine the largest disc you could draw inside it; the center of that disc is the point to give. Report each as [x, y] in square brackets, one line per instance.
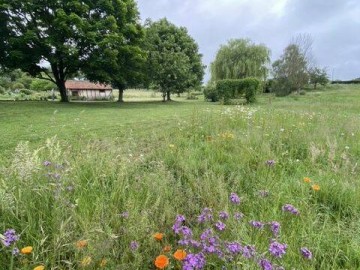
[68, 35]
[173, 58]
[239, 59]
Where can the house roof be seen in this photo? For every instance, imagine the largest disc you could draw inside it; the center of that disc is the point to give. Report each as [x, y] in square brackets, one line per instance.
[85, 85]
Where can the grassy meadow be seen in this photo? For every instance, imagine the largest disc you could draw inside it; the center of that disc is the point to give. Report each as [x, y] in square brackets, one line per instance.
[88, 184]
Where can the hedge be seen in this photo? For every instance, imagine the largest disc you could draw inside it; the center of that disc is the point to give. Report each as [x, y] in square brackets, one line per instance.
[230, 89]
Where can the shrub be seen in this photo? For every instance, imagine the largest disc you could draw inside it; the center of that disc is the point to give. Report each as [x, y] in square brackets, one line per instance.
[230, 89]
[268, 87]
[42, 85]
[211, 94]
[2, 90]
[17, 86]
[25, 91]
[281, 87]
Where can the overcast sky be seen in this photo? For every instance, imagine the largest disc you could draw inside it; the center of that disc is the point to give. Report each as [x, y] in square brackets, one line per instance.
[333, 24]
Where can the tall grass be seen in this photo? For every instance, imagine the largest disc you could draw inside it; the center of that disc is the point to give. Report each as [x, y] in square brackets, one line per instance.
[111, 192]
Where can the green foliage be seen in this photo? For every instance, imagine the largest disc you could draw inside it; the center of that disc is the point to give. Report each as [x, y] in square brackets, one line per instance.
[173, 63]
[230, 89]
[42, 85]
[17, 86]
[211, 93]
[318, 76]
[240, 59]
[70, 35]
[25, 91]
[290, 71]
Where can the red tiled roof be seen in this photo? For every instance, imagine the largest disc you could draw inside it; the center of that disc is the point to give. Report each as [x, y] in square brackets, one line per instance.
[85, 85]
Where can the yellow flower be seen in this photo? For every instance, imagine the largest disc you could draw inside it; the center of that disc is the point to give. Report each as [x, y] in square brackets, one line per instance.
[307, 180]
[171, 145]
[158, 236]
[86, 261]
[26, 250]
[103, 263]
[40, 267]
[315, 187]
[180, 254]
[81, 244]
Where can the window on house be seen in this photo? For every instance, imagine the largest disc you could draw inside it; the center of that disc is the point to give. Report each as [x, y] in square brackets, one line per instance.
[102, 91]
[75, 93]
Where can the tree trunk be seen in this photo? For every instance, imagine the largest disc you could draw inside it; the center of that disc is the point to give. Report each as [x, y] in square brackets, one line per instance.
[63, 93]
[315, 85]
[168, 96]
[59, 76]
[163, 96]
[121, 94]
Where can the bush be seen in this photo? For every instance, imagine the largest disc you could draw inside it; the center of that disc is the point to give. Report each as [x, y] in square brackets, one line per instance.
[230, 89]
[17, 86]
[302, 92]
[2, 90]
[268, 87]
[211, 94]
[281, 87]
[42, 85]
[25, 91]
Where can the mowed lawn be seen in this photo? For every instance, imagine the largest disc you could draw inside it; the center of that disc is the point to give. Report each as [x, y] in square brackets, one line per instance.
[267, 183]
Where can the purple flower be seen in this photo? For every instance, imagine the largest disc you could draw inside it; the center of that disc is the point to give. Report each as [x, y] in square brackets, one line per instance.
[134, 245]
[220, 226]
[194, 261]
[248, 251]
[291, 209]
[234, 198]
[206, 234]
[46, 163]
[10, 237]
[180, 219]
[257, 224]
[124, 214]
[238, 216]
[233, 247]
[270, 162]
[177, 227]
[275, 228]
[265, 264]
[306, 253]
[223, 215]
[277, 249]
[206, 215]
[15, 251]
[264, 193]
[186, 231]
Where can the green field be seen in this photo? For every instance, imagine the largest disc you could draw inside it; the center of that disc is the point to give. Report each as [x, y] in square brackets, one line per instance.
[156, 160]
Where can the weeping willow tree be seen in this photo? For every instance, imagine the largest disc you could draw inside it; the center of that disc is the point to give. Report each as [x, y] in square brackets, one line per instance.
[240, 59]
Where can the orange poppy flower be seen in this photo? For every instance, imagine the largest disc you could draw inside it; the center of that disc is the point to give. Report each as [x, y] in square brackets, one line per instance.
[307, 180]
[315, 187]
[167, 248]
[158, 236]
[180, 254]
[26, 250]
[81, 244]
[161, 261]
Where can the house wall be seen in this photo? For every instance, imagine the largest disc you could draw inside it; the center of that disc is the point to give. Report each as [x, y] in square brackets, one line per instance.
[92, 94]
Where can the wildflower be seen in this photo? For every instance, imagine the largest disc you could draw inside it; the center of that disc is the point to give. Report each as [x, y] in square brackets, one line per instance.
[291, 209]
[233, 247]
[124, 214]
[265, 264]
[86, 261]
[40, 267]
[26, 250]
[161, 261]
[315, 187]
[47, 163]
[15, 251]
[257, 224]
[81, 244]
[234, 198]
[180, 254]
[167, 248]
[9, 237]
[220, 226]
[264, 193]
[178, 224]
[277, 249]
[307, 180]
[206, 215]
[270, 162]
[158, 236]
[248, 251]
[275, 228]
[134, 245]
[238, 216]
[306, 253]
[194, 261]
[103, 263]
[223, 215]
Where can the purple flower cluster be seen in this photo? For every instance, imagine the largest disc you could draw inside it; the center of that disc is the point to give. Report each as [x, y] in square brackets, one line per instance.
[265, 264]
[223, 215]
[134, 245]
[220, 226]
[10, 237]
[238, 216]
[248, 251]
[234, 198]
[277, 249]
[233, 247]
[124, 214]
[206, 215]
[270, 162]
[291, 209]
[275, 228]
[194, 261]
[46, 163]
[257, 224]
[306, 253]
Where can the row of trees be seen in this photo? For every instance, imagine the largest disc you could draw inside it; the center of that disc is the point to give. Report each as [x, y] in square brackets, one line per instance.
[102, 40]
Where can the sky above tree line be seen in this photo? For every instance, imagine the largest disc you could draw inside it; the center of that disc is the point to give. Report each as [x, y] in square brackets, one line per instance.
[333, 24]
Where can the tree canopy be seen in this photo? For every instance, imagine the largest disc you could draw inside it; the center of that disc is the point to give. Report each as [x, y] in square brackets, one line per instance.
[70, 35]
[239, 59]
[173, 61]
